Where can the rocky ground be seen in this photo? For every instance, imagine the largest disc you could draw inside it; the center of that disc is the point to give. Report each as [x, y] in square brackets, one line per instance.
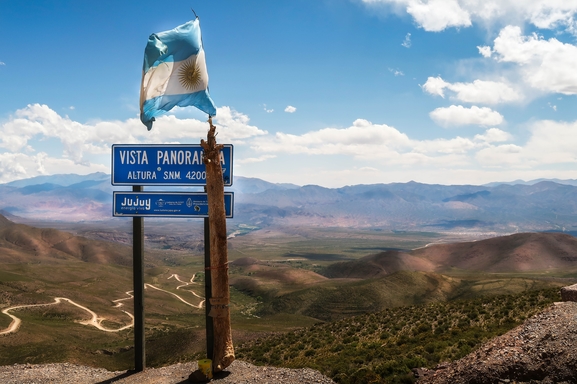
[541, 350]
[238, 372]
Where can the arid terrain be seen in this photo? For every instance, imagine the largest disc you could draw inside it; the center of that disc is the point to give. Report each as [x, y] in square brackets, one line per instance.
[66, 293]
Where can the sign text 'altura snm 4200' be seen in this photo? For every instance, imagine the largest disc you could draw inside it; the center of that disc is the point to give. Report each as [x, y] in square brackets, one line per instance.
[165, 164]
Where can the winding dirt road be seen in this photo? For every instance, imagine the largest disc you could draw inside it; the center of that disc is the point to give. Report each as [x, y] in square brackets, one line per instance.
[95, 320]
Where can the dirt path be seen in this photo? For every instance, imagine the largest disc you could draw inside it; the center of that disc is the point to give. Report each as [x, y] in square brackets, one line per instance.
[199, 306]
[95, 320]
[118, 301]
[186, 283]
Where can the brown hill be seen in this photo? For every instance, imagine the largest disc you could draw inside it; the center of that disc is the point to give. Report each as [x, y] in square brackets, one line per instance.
[381, 264]
[21, 243]
[263, 278]
[521, 252]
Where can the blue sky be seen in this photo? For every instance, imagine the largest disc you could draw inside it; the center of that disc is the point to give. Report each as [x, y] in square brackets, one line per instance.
[326, 92]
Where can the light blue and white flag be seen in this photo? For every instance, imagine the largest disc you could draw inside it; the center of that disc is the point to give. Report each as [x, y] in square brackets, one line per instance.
[174, 73]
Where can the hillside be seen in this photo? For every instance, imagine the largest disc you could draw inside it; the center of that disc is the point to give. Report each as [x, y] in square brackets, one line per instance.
[538, 351]
[341, 298]
[378, 265]
[522, 252]
[517, 253]
[21, 243]
[384, 346]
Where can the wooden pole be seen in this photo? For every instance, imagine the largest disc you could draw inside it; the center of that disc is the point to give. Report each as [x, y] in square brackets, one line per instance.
[138, 286]
[223, 354]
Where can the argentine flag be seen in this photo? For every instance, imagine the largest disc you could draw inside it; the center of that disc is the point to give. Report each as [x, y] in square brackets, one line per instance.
[174, 73]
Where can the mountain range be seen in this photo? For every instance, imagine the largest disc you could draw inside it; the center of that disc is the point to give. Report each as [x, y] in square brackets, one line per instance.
[541, 205]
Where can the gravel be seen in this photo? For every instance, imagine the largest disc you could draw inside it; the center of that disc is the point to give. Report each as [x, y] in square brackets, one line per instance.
[239, 372]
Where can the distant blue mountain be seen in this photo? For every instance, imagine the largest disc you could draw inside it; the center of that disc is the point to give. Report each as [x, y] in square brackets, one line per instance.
[532, 182]
[503, 208]
[37, 188]
[253, 185]
[60, 179]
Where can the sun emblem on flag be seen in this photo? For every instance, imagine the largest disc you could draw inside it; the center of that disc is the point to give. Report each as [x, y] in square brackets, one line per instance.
[189, 75]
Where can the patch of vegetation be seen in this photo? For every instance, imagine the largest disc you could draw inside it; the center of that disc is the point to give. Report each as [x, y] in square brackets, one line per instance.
[385, 346]
[335, 299]
[173, 346]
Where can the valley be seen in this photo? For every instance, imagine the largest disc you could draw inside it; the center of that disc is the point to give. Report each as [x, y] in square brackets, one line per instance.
[283, 279]
[303, 261]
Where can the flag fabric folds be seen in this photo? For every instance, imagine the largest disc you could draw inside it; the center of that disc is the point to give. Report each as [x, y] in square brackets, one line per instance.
[174, 73]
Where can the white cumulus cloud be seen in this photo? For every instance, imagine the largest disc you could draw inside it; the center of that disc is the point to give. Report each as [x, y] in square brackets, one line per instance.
[550, 143]
[366, 141]
[493, 135]
[361, 139]
[485, 51]
[290, 109]
[435, 86]
[259, 159]
[479, 91]
[377, 149]
[457, 115]
[80, 142]
[547, 65]
[437, 15]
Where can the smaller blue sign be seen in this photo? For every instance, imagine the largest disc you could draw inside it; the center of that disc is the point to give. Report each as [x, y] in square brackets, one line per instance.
[166, 204]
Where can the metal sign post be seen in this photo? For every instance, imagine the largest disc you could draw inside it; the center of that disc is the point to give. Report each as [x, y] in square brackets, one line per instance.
[138, 286]
[208, 290]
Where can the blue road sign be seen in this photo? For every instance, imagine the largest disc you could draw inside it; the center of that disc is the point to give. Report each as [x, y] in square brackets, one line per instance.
[166, 204]
[165, 164]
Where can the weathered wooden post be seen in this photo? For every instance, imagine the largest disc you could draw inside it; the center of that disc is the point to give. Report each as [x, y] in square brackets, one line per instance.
[223, 353]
